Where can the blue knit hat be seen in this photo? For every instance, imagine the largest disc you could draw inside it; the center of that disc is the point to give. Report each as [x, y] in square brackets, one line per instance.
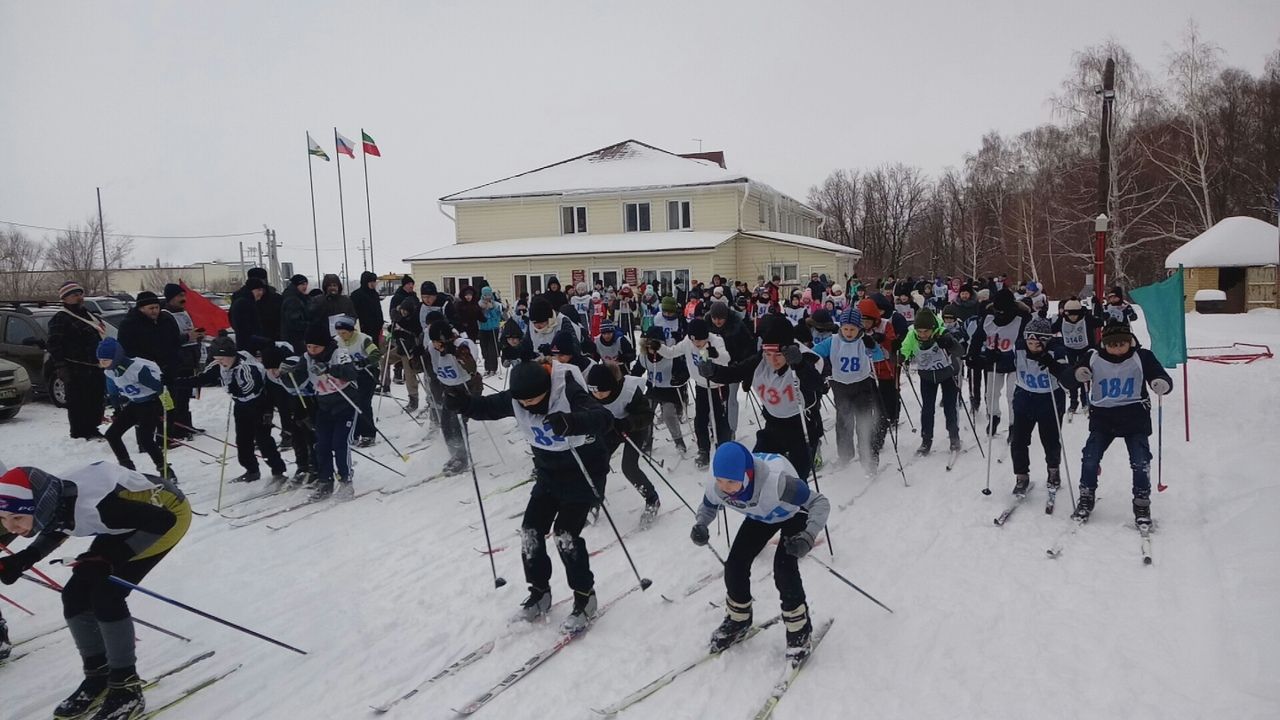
[607, 326]
[733, 461]
[109, 349]
[851, 316]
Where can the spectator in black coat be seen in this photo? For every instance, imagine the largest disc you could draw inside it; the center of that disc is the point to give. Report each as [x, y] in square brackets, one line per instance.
[74, 334]
[407, 286]
[332, 304]
[148, 333]
[554, 294]
[368, 306]
[244, 316]
[294, 314]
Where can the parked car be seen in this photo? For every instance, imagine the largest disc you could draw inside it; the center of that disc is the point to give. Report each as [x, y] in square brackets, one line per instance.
[24, 333]
[15, 388]
[112, 309]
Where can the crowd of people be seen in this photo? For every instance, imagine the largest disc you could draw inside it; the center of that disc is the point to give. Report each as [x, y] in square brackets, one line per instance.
[589, 370]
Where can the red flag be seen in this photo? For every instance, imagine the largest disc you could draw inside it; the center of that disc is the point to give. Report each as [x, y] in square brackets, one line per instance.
[204, 313]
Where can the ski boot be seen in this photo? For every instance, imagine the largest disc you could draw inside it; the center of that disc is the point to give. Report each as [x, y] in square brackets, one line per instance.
[650, 512]
[247, 477]
[1142, 513]
[1054, 480]
[301, 477]
[168, 473]
[124, 699]
[926, 446]
[412, 405]
[737, 621]
[1084, 506]
[798, 631]
[88, 696]
[994, 425]
[454, 466]
[703, 460]
[345, 490]
[584, 611]
[956, 445]
[536, 605]
[279, 475]
[6, 647]
[1075, 406]
[323, 489]
[365, 442]
[681, 447]
[1020, 485]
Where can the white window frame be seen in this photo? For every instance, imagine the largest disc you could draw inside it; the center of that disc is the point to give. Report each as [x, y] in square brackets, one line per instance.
[529, 279]
[451, 283]
[637, 203]
[579, 220]
[780, 269]
[652, 276]
[599, 272]
[681, 202]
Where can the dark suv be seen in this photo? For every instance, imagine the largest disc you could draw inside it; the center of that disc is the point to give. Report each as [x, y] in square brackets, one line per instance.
[24, 333]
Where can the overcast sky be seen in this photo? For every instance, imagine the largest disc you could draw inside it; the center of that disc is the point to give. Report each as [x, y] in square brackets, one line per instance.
[191, 116]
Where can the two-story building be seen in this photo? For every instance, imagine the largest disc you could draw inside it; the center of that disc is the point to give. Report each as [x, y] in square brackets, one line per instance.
[629, 213]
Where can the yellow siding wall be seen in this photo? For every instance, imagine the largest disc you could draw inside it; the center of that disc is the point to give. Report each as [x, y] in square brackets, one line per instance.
[755, 256]
[503, 221]
[499, 272]
[1197, 278]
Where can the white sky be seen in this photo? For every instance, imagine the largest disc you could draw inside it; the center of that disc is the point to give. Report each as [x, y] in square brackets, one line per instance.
[191, 116]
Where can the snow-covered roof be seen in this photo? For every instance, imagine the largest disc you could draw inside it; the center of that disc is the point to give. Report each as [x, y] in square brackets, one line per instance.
[586, 244]
[628, 165]
[806, 241]
[1232, 242]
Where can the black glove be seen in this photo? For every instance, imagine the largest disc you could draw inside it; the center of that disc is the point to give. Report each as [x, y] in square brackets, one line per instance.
[793, 355]
[707, 370]
[877, 337]
[456, 398]
[868, 341]
[798, 545]
[712, 352]
[544, 349]
[12, 567]
[1045, 359]
[92, 565]
[287, 366]
[623, 425]
[560, 423]
[700, 535]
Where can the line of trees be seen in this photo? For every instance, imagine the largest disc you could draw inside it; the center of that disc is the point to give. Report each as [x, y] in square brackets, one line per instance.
[1198, 145]
[30, 269]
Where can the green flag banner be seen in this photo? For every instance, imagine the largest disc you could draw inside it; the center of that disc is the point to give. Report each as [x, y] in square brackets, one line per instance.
[1162, 306]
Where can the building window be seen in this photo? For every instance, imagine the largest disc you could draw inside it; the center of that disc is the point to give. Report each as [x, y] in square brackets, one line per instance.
[452, 284]
[760, 208]
[663, 282]
[532, 283]
[679, 215]
[573, 219]
[636, 216]
[789, 272]
[608, 278]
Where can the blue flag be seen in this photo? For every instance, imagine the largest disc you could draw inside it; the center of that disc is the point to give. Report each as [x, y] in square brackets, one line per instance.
[1162, 305]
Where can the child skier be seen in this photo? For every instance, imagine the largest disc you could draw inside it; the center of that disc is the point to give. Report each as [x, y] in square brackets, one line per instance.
[774, 498]
[623, 396]
[134, 387]
[365, 355]
[853, 388]
[904, 304]
[884, 360]
[991, 349]
[332, 373]
[556, 415]
[614, 346]
[302, 405]
[665, 375]
[1116, 309]
[134, 520]
[699, 347]
[245, 381]
[454, 360]
[1042, 371]
[1120, 408]
[1079, 332]
[669, 321]
[936, 356]
[796, 311]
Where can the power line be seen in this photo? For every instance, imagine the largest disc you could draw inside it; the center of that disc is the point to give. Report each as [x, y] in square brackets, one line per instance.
[132, 235]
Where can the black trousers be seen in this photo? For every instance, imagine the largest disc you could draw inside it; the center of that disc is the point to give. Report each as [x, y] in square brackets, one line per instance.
[890, 409]
[708, 402]
[1038, 412]
[89, 590]
[753, 536]
[85, 402]
[251, 431]
[180, 415]
[631, 470]
[785, 437]
[365, 386]
[547, 513]
[303, 432]
[147, 417]
[929, 405]
[490, 349]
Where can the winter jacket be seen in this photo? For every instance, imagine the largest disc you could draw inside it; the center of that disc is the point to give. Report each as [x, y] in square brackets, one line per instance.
[738, 338]
[324, 308]
[492, 309]
[556, 297]
[467, 314]
[294, 317]
[246, 321]
[74, 334]
[157, 340]
[330, 373]
[368, 306]
[244, 381]
[269, 313]
[398, 297]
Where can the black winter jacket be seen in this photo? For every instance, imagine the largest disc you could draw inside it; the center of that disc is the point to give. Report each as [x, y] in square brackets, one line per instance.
[157, 340]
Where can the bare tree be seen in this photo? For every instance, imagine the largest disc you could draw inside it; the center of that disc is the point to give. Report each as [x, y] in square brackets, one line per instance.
[839, 199]
[20, 258]
[154, 279]
[893, 199]
[77, 253]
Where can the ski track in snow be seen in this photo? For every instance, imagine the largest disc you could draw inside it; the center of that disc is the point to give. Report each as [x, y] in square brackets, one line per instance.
[384, 592]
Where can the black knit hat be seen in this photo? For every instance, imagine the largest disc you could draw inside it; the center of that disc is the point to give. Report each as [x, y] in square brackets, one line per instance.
[222, 346]
[540, 310]
[1117, 331]
[719, 310]
[926, 320]
[405, 280]
[564, 343]
[511, 329]
[776, 330]
[698, 329]
[440, 330]
[172, 290]
[298, 279]
[317, 334]
[600, 378]
[529, 380]
[429, 288]
[367, 277]
[145, 298]
[655, 333]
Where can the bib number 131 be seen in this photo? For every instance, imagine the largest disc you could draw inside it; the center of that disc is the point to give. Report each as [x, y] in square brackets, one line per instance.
[771, 395]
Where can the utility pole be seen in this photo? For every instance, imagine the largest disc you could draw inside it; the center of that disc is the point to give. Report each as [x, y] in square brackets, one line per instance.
[273, 258]
[1107, 91]
[240, 268]
[102, 233]
[259, 254]
[363, 246]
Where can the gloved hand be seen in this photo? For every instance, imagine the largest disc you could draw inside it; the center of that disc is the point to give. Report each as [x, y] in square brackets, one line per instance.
[91, 564]
[12, 567]
[700, 535]
[1045, 360]
[544, 349]
[706, 369]
[1160, 386]
[712, 352]
[288, 366]
[793, 355]
[798, 545]
[1084, 374]
[560, 423]
[166, 400]
[321, 368]
[456, 398]
[623, 425]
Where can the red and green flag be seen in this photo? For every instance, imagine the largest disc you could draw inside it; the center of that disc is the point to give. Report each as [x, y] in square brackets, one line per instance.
[370, 147]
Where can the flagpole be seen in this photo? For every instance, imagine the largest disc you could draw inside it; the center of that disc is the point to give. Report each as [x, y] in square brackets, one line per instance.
[368, 210]
[315, 230]
[346, 263]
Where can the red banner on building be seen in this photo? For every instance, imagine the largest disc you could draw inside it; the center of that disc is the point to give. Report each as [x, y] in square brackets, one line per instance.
[631, 276]
[579, 276]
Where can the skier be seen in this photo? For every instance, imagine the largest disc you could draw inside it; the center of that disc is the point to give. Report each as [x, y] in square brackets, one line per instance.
[904, 304]
[666, 376]
[366, 356]
[1079, 332]
[775, 372]
[700, 346]
[406, 341]
[1116, 309]
[853, 388]
[301, 406]
[936, 356]
[556, 415]
[1120, 408]
[820, 325]
[1042, 371]
[512, 338]
[884, 360]
[565, 350]
[245, 381]
[1038, 300]
[796, 311]
[331, 373]
[614, 346]
[454, 359]
[623, 396]
[991, 349]
[669, 321]
[774, 498]
[134, 387]
[135, 520]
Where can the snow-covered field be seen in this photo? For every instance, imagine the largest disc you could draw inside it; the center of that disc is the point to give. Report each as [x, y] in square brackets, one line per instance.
[385, 590]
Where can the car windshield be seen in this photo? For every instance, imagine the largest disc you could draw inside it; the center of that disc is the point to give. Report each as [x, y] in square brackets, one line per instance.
[42, 321]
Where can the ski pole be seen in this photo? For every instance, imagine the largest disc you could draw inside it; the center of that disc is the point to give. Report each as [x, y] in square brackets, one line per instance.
[226, 440]
[58, 589]
[912, 383]
[484, 520]
[201, 613]
[426, 386]
[644, 581]
[849, 582]
[1160, 486]
[377, 462]
[15, 604]
[990, 400]
[969, 415]
[808, 448]
[1063, 448]
[166, 403]
[394, 399]
[375, 427]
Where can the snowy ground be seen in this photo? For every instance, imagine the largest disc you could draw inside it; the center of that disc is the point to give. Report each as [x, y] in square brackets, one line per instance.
[385, 590]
